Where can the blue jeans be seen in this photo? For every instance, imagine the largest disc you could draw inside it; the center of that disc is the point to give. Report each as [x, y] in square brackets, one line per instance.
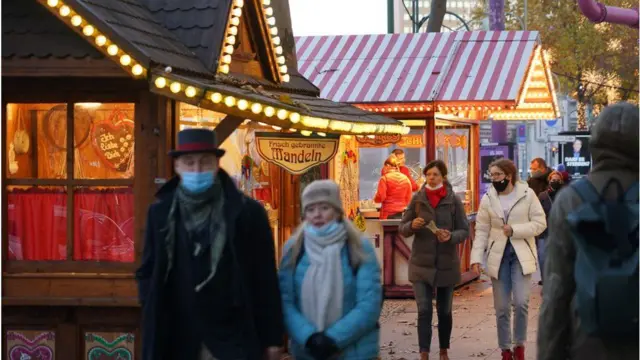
[444, 303]
[540, 242]
[511, 283]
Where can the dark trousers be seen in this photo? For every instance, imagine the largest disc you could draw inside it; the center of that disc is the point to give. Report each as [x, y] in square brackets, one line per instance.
[395, 216]
[444, 303]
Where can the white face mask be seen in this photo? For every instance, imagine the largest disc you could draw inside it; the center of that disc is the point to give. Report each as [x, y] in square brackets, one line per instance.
[434, 187]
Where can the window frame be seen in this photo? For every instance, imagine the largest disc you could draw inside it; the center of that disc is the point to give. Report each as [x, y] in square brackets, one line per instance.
[69, 265]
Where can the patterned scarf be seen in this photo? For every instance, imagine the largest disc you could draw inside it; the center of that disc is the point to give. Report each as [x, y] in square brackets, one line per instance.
[196, 212]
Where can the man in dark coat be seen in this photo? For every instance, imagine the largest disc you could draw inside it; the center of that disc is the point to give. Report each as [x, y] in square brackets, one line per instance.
[539, 181]
[208, 281]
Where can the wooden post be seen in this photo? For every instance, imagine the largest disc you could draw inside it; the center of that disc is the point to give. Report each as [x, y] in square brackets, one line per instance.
[430, 137]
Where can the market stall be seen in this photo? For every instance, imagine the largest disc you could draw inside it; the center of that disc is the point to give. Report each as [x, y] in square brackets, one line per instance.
[93, 97]
[441, 85]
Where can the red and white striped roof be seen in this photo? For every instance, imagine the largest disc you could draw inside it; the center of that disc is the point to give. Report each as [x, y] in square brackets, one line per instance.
[424, 67]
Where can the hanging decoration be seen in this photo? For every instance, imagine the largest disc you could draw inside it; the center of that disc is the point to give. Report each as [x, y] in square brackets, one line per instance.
[13, 164]
[248, 167]
[20, 136]
[348, 179]
[359, 221]
[114, 143]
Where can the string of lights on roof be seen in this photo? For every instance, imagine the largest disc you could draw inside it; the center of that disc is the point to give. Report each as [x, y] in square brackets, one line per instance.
[230, 38]
[232, 32]
[102, 42]
[278, 114]
[276, 43]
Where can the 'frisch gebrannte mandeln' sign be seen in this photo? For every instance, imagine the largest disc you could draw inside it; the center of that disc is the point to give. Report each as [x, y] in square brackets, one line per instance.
[296, 153]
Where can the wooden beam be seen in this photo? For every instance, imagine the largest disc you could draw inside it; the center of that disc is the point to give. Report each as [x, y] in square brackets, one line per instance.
[226, 126]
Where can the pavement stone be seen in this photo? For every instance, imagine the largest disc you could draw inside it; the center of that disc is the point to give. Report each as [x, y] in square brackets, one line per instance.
[474, 327]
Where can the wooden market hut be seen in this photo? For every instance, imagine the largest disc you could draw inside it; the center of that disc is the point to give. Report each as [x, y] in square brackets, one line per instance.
[92, 88]
[441, 85]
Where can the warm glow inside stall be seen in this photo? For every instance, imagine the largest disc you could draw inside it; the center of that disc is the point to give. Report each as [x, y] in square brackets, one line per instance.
[94, 95]
[441, 85]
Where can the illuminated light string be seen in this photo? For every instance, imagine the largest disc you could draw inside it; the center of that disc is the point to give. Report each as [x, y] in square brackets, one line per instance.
[230, 37]
[176, 87]
[100, 40]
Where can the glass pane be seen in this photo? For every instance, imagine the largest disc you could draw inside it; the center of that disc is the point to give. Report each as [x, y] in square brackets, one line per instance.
[104, 226]
[452, 147]
[36, 141]
[372, 160]
[37, 225]
[105, 142]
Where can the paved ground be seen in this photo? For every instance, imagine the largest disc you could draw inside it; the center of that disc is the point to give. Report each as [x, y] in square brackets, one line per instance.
[474, 326]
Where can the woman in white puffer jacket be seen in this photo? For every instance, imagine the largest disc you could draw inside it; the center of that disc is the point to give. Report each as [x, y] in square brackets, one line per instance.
[509, 218]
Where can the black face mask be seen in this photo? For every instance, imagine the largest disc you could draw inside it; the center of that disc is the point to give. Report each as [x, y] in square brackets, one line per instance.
[555, 185]
[501, 185]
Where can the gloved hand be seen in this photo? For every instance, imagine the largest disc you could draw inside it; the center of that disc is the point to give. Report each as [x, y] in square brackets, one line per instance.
[321, 347]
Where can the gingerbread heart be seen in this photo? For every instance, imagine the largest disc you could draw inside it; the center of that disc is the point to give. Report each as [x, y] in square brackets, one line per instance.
[99, 353]
[114, 143]
[20, 352]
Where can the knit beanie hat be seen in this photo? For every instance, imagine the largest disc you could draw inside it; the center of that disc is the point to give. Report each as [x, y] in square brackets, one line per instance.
[616, 130]
[322, 191]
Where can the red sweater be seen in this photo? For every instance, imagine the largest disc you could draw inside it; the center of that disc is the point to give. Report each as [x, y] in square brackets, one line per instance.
[394, 192]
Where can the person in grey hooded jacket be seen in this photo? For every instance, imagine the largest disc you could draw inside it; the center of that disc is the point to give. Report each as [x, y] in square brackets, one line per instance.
[614, 150]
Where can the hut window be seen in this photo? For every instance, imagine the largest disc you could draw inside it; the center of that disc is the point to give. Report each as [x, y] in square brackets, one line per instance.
[69, 176]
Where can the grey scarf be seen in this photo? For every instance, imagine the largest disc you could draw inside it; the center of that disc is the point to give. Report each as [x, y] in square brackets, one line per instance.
[196, 212]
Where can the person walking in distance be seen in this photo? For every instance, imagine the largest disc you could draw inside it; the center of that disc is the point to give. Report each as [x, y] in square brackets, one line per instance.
[508, 220]
[330, 281]
[556, 182]
[539, 180]
[590, 303]
[208, 281]
[434, 263]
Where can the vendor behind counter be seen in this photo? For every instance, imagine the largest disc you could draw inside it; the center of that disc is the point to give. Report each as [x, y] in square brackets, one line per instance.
[394, 190]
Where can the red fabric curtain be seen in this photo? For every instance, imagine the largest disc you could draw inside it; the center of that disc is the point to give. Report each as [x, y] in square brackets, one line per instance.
[37, 224]
[103, 225]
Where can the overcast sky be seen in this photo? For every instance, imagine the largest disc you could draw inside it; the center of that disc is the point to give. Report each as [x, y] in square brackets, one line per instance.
[338, 17]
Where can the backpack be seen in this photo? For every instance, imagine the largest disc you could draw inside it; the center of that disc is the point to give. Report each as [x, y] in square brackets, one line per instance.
[605, 234]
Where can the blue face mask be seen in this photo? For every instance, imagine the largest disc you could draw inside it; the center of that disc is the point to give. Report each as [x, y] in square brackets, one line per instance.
[324, 230]
[197, 182]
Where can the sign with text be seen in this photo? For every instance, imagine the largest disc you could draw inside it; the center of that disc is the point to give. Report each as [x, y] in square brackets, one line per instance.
[296, 153]
[576, 156]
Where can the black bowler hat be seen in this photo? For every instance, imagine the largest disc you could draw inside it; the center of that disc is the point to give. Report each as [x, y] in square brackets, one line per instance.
[191, 141]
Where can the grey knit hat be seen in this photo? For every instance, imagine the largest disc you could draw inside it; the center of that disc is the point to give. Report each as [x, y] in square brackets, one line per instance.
[322, 191]
[616, 130]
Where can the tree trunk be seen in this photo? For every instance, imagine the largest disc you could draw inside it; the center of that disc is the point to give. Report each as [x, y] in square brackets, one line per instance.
[436, 15]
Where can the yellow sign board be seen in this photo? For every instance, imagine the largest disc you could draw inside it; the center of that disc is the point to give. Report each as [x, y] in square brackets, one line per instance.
[296, 153]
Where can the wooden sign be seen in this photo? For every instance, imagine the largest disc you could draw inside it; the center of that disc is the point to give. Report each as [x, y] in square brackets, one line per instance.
[378, 140]
[296, 153]
[114, 143]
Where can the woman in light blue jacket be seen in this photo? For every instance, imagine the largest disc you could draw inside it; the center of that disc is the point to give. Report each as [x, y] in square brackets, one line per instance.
[330, 283]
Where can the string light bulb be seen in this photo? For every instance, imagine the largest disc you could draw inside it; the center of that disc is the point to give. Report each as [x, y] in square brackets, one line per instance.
[175, 87]
[271, 21]
[224, 69]
[112, 50]
[269, 111]
[64, 11]
[237, 12]
[216, 98]
[101, 40]
[230, 101]
[268, 11]
[161, 82]
[305, 132]
[52, 3]
[282, 114]
[294, 117]
[88, 30]
[243, 104]
[235, 21]
[125, 59]
[76, 20]
[190, 91]
[266, 2]
[256, 108]
[276, 40]
[286, 78]
[137, 69]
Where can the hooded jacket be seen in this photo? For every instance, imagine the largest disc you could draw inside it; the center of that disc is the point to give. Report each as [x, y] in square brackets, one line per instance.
[394, 192]
[614, 150]
[527, 219]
